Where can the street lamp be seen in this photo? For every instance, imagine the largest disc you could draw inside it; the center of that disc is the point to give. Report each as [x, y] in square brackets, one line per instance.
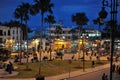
[84, 37]
[102, 15]
[113, 6]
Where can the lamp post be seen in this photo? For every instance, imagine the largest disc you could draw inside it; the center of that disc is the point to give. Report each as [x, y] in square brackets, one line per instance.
[113, 5]
[84, 37]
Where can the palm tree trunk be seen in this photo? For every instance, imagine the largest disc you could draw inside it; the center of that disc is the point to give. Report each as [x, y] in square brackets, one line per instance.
[27, 67]
[100, 40]
[50, 44]
[40, 55]
[20, 41]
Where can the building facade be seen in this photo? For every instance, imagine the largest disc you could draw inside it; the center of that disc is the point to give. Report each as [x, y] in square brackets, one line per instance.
[9, 33]
[67, 33]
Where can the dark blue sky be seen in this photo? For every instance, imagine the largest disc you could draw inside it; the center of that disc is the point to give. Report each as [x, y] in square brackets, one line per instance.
[63, 9]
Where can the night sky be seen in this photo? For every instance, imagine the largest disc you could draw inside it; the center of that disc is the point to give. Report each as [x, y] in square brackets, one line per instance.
[62, 10]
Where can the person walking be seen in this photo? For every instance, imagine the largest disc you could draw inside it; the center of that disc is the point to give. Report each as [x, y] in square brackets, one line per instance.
[106, 77]
[119, 70]
[93, 63]
[113, 67]
[103, 76]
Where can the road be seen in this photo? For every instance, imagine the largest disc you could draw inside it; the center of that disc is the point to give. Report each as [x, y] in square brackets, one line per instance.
[96, 76]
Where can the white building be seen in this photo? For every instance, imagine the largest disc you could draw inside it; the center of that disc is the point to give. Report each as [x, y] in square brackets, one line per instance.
[36, 43]
[67, 33]
[9, 32]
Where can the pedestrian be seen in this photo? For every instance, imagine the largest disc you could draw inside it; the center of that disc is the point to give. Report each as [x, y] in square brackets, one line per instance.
[7, 68]
[103, 76]
[11, 65]
[90, 58]
[97, 57]
[119, 70]
[108, 58]
[106, 77]
[113, 67]
[93, 63]
[73, 57]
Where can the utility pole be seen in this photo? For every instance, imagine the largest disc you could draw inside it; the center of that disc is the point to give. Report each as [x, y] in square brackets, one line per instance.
[113, 6]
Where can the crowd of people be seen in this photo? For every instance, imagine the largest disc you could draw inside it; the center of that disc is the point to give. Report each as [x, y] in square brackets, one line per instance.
[104, 77]
[116, 68]
[8, 67]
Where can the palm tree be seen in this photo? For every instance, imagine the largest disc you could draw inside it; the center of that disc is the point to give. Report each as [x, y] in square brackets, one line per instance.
[41, 6]
[107, 30]
[21, 12]
[80, 19]
[50, 20]
[18, 13]
[73, 31]
[58, 31]
[99, 22]
[26, 7]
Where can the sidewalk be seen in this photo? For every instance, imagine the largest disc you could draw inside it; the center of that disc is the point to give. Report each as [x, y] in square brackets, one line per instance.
[78, 73]
[4, 74]
[72, 74]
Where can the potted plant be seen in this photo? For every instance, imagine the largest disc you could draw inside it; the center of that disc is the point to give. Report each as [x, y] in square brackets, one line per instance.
[40, 77]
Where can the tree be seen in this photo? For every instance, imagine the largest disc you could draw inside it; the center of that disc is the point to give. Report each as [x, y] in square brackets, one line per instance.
[12, 23]
[73, 31]
[21, 12]
[18, 14]
[58, 31]
[98, 21]
[41, 6]
[107, 30]
[50, 19]
[80, 19]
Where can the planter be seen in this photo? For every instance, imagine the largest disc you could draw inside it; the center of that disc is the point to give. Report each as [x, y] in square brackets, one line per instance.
[40, 78]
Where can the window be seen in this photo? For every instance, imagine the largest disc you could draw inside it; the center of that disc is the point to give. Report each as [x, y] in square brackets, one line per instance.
[9, 32]
[1, 32]
[46, 43]
[0, 40]
[4, 33]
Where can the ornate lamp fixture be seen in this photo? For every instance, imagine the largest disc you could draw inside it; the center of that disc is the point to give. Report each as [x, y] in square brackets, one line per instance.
[103, 13]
